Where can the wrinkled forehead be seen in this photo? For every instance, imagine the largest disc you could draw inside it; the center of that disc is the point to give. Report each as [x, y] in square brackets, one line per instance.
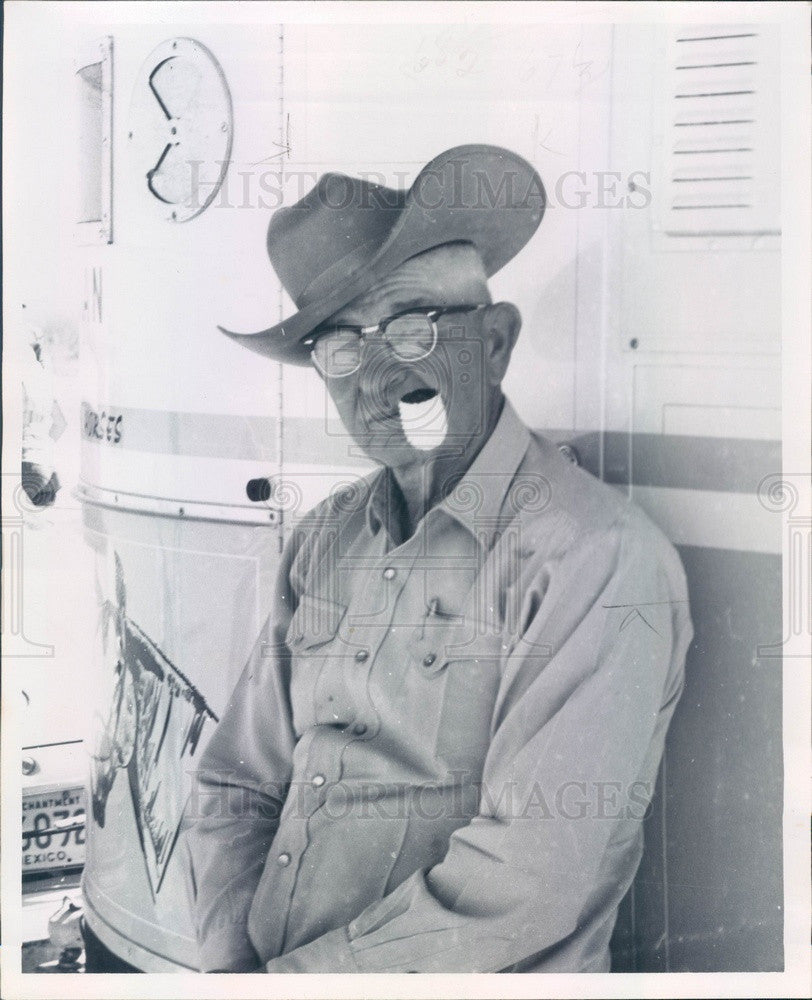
[448, 275]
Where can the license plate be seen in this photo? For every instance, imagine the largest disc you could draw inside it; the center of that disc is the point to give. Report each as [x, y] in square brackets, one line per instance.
[53, 828]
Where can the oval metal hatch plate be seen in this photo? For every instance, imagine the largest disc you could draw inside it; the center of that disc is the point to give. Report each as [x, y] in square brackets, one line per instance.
[181, 127]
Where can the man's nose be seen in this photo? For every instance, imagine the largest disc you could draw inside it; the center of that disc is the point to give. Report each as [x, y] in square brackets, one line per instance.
[381, 373]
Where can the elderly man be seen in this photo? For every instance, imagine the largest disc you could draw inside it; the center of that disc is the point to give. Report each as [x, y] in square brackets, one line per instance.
[440, 752]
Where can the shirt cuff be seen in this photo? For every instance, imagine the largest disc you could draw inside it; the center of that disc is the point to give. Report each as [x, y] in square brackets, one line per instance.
[228, 949]
[329, 953]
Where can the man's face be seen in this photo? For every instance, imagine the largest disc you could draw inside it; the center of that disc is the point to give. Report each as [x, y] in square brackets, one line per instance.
[403, 412]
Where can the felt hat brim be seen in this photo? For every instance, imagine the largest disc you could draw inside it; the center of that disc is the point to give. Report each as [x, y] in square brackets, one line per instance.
[455, 198]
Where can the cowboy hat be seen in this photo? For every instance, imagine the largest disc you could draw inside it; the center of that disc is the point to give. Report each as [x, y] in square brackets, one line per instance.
[347, 234]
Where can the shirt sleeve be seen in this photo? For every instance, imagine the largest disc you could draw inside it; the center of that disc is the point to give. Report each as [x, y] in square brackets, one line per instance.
[238, 793]
[586, 694]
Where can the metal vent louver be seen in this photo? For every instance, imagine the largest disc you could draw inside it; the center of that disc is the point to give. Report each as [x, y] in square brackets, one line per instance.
[719, 169]
[94, 119]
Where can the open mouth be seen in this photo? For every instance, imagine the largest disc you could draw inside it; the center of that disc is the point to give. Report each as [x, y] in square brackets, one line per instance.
[421, 395]
[423, 418]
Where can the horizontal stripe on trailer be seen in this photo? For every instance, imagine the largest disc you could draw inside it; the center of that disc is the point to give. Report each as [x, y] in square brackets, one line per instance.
[735, 465]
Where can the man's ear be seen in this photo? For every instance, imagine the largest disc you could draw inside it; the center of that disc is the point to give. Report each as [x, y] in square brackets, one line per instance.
[501, 324]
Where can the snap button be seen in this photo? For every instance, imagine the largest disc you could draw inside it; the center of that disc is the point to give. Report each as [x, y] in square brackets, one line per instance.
[317, 780]
[359, 728]
[361, 655]
[429, 659]
[389, 573]
[284, 859]
[570, 452]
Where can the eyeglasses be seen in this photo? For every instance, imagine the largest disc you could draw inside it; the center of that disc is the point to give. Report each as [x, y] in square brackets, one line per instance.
[337, 351]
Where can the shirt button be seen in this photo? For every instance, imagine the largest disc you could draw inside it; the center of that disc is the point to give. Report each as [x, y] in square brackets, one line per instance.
[389, 573]
[359, 728]
[428, 659]
[284, 859]
[361, 655]
[317, 780]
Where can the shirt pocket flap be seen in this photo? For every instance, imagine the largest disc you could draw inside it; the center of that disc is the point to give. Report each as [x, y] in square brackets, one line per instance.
[467, 640]
[314, 623]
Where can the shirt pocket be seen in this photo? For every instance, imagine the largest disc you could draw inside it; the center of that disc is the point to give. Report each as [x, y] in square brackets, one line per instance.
[312, 641]
[461, 667]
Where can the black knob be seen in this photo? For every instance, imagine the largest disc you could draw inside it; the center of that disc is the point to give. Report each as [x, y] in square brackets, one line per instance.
[258, 490]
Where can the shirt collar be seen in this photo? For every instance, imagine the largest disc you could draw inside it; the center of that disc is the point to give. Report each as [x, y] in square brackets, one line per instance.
[477, 499]
[379, 505]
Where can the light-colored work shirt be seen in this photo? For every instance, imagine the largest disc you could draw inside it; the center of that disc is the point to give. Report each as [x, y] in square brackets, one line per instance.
[441, 750]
